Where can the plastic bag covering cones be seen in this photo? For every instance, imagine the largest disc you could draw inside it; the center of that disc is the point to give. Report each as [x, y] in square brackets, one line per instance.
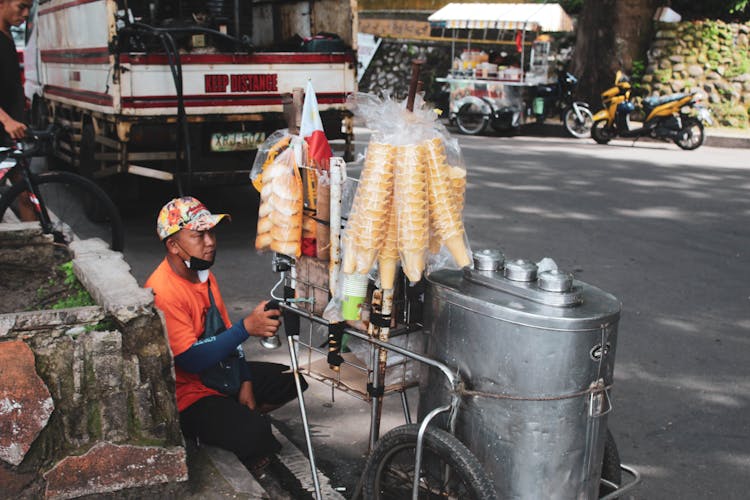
[410, 201]
[444, 202]
[280, 211]
[366, 228]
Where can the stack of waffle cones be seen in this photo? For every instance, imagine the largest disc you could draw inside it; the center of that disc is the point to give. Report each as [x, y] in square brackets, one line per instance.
[280, 211]
[366, 228]
[409, 201]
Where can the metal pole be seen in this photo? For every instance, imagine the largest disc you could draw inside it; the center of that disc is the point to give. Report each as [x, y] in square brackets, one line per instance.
[303, 413]
[420, 439]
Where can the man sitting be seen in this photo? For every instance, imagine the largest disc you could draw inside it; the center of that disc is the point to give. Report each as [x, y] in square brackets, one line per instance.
[188, 295]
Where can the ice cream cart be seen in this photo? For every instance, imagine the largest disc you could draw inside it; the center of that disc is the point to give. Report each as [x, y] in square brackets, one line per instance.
[496, 91]
[518, 358]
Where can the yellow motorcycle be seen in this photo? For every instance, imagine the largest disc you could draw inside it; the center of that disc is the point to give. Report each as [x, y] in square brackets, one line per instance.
[669, 117]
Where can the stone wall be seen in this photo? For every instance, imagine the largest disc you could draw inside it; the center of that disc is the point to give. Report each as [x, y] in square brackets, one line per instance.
[390, 69]
[711, 56]
[86, 394]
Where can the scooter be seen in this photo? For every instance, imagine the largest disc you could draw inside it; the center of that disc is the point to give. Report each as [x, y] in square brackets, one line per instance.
[558, 98]
[667, 117]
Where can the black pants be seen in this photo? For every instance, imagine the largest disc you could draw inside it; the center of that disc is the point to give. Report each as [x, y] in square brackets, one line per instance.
[224, 422]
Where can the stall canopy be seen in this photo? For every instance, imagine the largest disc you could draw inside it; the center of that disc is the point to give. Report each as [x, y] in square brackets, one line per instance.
[502, 16]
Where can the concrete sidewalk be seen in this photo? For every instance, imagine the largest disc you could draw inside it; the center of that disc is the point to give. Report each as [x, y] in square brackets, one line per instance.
[719, 137]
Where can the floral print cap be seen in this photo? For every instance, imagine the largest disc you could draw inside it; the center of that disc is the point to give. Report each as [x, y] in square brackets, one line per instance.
[185, 213]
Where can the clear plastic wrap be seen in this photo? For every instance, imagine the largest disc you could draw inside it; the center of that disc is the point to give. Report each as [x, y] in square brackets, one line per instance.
[281, 204]
[274, 144]
[408, 206]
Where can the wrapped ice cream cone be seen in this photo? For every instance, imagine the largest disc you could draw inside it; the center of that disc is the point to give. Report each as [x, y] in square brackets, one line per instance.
[388, 256]
[410, 202]
[444, 216]
[367, 221]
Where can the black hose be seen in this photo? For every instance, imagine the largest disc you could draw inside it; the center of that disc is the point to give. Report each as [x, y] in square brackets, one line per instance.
[175, 65]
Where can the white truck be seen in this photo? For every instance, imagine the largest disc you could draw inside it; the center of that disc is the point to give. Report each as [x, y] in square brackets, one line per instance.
[183, 90]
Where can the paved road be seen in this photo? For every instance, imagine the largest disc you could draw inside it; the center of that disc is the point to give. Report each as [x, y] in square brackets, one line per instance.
[662, 229]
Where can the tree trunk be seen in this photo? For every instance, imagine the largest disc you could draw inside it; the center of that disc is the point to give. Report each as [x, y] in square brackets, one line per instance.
[611, 34]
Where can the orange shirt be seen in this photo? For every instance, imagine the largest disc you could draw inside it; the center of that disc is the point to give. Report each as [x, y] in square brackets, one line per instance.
[184, 305]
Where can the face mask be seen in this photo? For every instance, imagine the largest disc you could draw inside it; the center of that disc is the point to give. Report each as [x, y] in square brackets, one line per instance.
[198, 264]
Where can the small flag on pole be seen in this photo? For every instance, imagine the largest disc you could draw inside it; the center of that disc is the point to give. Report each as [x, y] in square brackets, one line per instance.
[311, 129]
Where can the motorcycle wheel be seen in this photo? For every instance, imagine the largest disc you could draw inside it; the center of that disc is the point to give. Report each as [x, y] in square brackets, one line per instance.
[579, 129]
[471, 120]
[691, 134]
[602, 133]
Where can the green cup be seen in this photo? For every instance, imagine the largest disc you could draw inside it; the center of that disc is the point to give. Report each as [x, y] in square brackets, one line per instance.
[355, 291]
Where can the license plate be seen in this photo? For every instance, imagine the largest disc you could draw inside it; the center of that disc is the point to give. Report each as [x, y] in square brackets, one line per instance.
[236, 141]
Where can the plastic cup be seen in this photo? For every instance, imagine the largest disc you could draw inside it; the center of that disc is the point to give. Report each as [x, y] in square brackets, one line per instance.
[354, 290]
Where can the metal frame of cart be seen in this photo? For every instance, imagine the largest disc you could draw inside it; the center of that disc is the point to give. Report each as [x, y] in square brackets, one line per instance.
[377, 340]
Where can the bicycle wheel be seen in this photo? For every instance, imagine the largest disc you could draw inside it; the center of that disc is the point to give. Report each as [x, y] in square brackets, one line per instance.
[70, 200]
[449, 470]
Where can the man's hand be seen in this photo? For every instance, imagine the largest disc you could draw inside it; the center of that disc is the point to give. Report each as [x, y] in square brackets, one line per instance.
[262, 323]
[16, 130]
[246, 396]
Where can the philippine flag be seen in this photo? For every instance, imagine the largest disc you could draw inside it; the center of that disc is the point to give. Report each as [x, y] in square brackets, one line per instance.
[311, 129]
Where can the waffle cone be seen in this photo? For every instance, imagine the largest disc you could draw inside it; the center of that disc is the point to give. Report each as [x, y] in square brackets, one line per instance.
[458, 250]
[387, 272]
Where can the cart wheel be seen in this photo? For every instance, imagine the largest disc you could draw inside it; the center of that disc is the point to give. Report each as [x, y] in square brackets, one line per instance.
[449, 470]
[610, 465]
[471, 119]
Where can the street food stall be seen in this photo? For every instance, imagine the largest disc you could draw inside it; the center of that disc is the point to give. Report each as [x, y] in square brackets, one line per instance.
[505, 351]
[496, 89]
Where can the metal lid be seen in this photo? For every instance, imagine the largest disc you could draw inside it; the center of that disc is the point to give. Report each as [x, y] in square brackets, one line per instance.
[520, 270]
[555, 281]
[488, 260]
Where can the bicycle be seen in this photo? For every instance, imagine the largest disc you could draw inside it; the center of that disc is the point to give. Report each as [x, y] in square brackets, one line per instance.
[67, 205]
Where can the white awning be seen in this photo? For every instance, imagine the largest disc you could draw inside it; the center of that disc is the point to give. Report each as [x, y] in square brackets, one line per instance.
[505, 16]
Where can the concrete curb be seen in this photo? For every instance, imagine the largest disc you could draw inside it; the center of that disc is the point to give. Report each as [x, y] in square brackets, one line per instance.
[726, 141]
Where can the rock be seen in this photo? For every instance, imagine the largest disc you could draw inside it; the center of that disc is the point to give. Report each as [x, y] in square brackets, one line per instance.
[660, 44]
[107, 277]
[678, 67]
[708, 87]
[695, 70]
[665, 35]
[746, 86]
[688, 38]
[742, 40]
[107, 467]
[745, 77]
[678, 85]
[647, 78]
[691, 59]
[25, 401]
[13, 482]
[712, 75]
[702, 58]
[664, 64]
[676, 58]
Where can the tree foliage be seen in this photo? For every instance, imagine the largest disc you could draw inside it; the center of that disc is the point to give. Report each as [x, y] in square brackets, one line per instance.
[728, 10]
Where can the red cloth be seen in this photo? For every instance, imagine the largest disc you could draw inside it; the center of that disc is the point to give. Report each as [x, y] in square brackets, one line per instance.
[311, 128]
[519, 41]
[309, 247]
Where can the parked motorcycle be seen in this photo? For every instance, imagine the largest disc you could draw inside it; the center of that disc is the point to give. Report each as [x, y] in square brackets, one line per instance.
[676, 117]
[558, 99]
